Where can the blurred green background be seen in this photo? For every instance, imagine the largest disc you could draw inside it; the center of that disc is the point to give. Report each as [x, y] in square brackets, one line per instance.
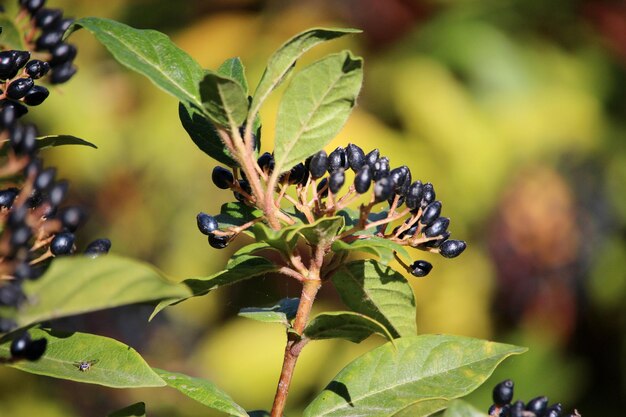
[514, 109]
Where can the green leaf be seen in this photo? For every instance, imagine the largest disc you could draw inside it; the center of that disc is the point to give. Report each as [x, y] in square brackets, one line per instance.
[233, 68]
[61, 140]
[283, 240]
[203, 391]
[245, 251]
[376, 245]
[379, 292]
[76, 285]
[134, 410]
[202, 132]
[419, 372]
[236, 214]
[460, 408]
[224, 100]
[322, 231]
[149, 53]
[315, 106]
[113, 364]
[284, 59]
[11, 36]
[282, 313]
[347, 325]
[246, 267]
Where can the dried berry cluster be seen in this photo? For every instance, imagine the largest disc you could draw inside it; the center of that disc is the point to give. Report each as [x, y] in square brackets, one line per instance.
[35, 227]
[537, 407]
[318, 182]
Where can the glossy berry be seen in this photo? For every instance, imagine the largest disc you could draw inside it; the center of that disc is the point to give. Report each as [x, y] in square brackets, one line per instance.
[408, 232]
[64, 24]
[8, 196]
[206, 223]
[428, 195]
[414, 195]
[553, 410]
[245, 186]
[21, 58]
[98, 247]
[11, 295]
[37, 68]
[337, 159]
[57, 193]
[48, 39]
[372, 157]
[383, 189]
[10, 112]
[62, 53]
[336, 180]
[356, 157]
[19, 345]
[381, 169]
[8, 68]
[48, 18]
[322, 188]
[398, 176]
[452, 248]
[45, 179]
[218, 242]
[62, 244]
[437, 227]
[297, 174]
[72, 217]
[437, 242]
[222, 177]
[503, 393]
[32, 5]
[420, 268]
[266, 162]
[36, 95]
[537, 405]
[363, 179]
[23, 347]
[431, 213]
[517, 409]
[62, 73]
[18, 88]
[318, 164]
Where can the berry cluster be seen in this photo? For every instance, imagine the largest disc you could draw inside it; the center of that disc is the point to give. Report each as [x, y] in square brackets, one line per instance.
[537, 407]
[34, 225]
[412, 204]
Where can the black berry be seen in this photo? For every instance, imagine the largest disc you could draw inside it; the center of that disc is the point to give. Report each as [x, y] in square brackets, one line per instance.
[420, 268]
[431, 213]
[356, 157]
[18, 88]
[322, 188]
[503, 393]
[62, 244]
[37, 69]
[318, 164]
[336, 180]
[337, 159]
[437, 227]
[297, 174]
[8, 196]
[45, 179]
[48, 18]
[537, 405]
[218, 242]
[222, 177]
[372, 157]
[62, 53]
[57, 193]
[266, 162]
[98, 247]
[452, 248]
[381, 169]
[62, 73]
[206, 224]
[36, 95]
[47, 40]
[414, 195]
[383, 189]
[72, 217]
[428, 195]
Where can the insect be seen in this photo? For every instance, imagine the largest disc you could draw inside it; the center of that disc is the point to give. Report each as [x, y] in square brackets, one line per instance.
[84, 366]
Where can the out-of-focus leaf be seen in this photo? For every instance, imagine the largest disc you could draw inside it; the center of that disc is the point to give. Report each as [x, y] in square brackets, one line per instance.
[224, 100]
[134, 410]
[149, 53]
[379, 292]
[347, 325]
[459, 408]
[60, 140]
[419, 373]
[203, 134]
[282, 313]
[284, 59]
[203, 391]
[246, 267]
[76, 285]
[315, 106]
[246, 251]
[233, 68]
[113, 364]
[11, 36]
[258, 413]
[381, 247]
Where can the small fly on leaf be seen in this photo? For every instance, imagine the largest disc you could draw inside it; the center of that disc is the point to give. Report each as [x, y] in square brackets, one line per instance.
[84, 366]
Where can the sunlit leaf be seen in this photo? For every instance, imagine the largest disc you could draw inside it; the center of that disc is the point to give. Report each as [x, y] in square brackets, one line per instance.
[224, 100]
[284, 59]
[418, 373]
[322, 231]
[134, 410]
[11, 36]
[203, 391]
[381, 247]
[236, 214]
[283, 312]
[76, 285]
[113, 364]
[379, 292]
[460, 408]
[315, 106]
[233, 68]
[347, 325]
[151, 54]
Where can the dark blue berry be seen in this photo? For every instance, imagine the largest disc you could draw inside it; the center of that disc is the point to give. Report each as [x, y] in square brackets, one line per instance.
[23, 347]
[428, 195]
[336, 180]
[36, 95]
[245, 186]
[19, 345]
[11, 295]
[381, 169]
[356, 157]
[206, 224]
[10, 112]
[322, 188]
[383, 188]
[72, 217]
[452, 248]
[266, 162]
[47, 40]
[503, 393]
[337, 159]
[18, 88]
[48, 18]
[363, 179]
[318, 164]
[8, 68]
[218, 242]
[437, 227]
[37, 68]
[222, 177]
[20, 236]
[398, 176]
[420, 268]
[537, 405]
[57, 193]
[98, 247]
[62, 53]
[32, 5]
[297, 174]
[45, 179]
[62, 244]
[372, 157]
[62, 73]
[6, 325]
[21, 58]
[8, 196]
[431, 213]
